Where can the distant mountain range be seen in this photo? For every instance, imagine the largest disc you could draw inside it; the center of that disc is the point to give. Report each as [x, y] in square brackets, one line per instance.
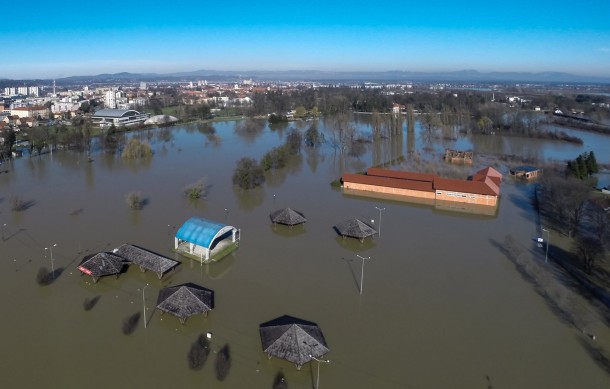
[465, 76]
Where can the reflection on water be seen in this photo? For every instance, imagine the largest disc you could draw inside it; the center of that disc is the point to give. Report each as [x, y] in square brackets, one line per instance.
[434, 287]
[287, 231]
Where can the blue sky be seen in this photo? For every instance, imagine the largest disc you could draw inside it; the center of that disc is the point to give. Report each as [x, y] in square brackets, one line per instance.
[82, 38]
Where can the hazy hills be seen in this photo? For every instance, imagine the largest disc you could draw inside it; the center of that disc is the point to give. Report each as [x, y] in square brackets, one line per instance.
[466, 76]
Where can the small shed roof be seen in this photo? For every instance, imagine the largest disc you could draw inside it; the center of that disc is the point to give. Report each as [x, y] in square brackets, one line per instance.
[185, 300]
[355, 228]
[102, 264]
[201, 231]
[146, 259]
[287, 216]
[293, 339]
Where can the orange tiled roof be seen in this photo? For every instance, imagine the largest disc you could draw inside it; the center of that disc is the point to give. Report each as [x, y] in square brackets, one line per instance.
[484, 182]
[422, 186]
[465, 186]
[400, 174]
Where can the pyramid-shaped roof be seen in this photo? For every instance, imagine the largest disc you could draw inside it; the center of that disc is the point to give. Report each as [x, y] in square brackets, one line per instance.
[102, 264]
[287, 216]
[355, 228]
[293, 339]
[185, 300]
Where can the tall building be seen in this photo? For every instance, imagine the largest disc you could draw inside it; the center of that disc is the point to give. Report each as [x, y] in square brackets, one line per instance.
[22, 90]
[110, 99]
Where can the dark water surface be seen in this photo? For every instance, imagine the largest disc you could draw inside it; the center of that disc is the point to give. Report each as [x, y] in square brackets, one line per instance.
[441, 306]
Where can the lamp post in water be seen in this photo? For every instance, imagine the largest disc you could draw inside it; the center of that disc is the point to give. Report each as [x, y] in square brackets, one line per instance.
[50, 248]
[144, 304]
[319, 361]
[548, 239]
[380, 209]
[362, 272]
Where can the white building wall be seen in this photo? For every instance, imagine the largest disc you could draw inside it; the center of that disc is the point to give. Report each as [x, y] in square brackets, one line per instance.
[110, 99]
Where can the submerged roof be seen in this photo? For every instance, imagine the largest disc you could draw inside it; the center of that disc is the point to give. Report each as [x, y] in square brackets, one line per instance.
[102, 264]
[287, 216]
[185, 300]
[145, 258]
[293, 339]
[201, 231]
[355, 228]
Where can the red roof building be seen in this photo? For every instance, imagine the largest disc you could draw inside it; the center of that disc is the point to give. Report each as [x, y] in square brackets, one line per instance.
[482, 189]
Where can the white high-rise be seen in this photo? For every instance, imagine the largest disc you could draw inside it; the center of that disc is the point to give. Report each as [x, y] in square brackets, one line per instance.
[110, 99]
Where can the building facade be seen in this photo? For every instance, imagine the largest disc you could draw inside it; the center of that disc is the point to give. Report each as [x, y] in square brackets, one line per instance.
[118, 117]
[482, 189]
[31, 112]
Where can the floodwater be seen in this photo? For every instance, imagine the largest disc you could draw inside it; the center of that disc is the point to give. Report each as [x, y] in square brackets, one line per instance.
[440, 305]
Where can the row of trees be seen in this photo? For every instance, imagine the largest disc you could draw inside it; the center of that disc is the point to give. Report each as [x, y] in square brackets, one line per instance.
[249, 173]
[583, 166]
[572, 206]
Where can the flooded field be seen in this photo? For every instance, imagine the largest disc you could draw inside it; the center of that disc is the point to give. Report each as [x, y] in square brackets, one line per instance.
[440, 305]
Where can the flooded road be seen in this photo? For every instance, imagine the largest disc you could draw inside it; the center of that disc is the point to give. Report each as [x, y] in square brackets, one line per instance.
[441, 306]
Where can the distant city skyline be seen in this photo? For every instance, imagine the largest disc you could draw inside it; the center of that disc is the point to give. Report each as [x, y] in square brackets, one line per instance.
[163, 37]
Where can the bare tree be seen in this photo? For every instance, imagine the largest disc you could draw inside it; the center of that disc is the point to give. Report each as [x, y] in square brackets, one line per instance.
[589, 250]
[563, 200]
[599, 218]
[430, 121]
[343, 133]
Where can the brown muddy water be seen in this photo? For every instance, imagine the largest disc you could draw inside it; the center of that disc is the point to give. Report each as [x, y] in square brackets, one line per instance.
[441, 306]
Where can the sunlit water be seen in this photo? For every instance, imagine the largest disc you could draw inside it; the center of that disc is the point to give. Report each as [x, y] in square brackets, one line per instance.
[441, 306]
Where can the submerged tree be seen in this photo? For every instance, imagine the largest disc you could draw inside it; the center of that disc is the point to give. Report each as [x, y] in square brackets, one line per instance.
[134, 200]
[248, 173]
[195, 190]
[137, 149]
[313, 137]
[294, 141]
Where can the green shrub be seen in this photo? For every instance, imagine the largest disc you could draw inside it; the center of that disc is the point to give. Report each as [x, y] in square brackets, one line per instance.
[196, 190]
[136, 149]
[276, 158]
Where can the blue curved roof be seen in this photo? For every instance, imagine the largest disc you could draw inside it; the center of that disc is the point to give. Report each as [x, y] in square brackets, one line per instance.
[199, 231]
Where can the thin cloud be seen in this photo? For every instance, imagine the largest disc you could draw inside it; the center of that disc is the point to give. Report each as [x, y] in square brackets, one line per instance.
[604, 49]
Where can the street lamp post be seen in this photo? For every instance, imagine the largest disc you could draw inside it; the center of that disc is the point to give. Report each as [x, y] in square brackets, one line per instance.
[144, 304]
[548, 238]
[362, 271]
[380, 209]
[50, 248]
[319, 361]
